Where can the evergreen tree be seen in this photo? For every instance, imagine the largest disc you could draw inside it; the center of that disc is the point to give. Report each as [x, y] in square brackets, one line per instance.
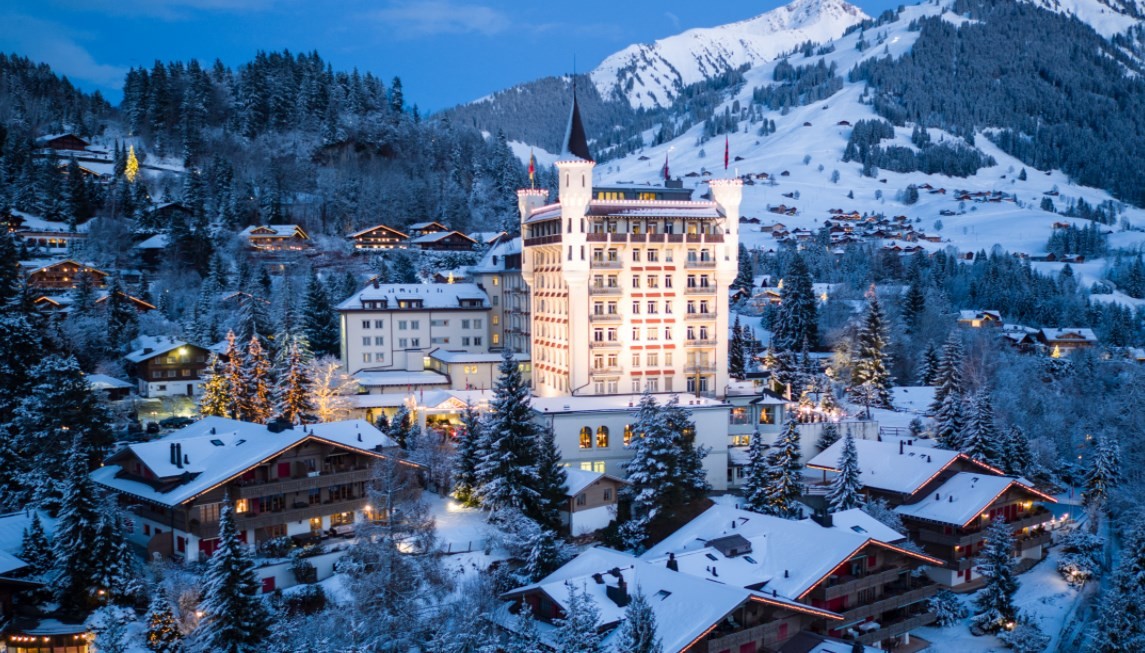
[235, 619]
[218, 397]
[797, 319]
[745, 277]
[929, 365]
[76, 530]
[980, 437]
[1120, 627]
[758, 474]
[162, 634]
[577, 632]
[9, 267]
[234, 369]
[255, 403]
[949, 421]
[637, 632]
[948, 374]
[523, 637]
[293, 392]
[870, 378]
[402, 427]
[545, 554]
[690, 478]
[1018, 456]
[784, 474]
[122, 320]
[507, 473]
[736, 350]
[828, 436]
[114, 566]
[36, 548]
[319, 319]
[551, 480]
[913, 306]
[995, 601]
[846, 487]
[468, 456]
[1104, 472]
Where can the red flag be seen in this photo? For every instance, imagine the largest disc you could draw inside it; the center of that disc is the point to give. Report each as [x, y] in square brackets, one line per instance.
[667, 176]
[726, 145]
[532, 169]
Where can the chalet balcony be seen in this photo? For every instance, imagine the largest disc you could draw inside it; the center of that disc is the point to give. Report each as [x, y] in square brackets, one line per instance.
[837, 586]
[700, 263]
[725, 638]
[262, 520]
[700, 290]
[304, 484]
[903, 625]
[1031, 518]
[711, 315]
[605, 317]
[605, 290]
[1035, 539]
[897, 596]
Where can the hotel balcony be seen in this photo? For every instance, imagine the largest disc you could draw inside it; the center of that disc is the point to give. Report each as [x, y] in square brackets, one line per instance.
[700, 263]
[605, 317]
[599, 264]
[605, 290]
[701, 343]
[710, 315]
[700, 290]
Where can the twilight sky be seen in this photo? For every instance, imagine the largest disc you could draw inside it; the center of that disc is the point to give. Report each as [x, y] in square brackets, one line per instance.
[445, 51]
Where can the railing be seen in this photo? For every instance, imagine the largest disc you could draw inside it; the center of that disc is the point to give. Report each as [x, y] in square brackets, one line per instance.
[301, 484]
[700, 290]
[605, 290]
[608, 265]
[852, 585]
[637, 238]
[701, 343]
[1031, 541]
[768, 632]
[694, 263]
[711, 315]
[1037, 517]
[595, 344]
[542, 240]
[596, 238]
[262, 520]
[898, 628]
[614, 369]
[605, 317]
[891, 602]
[675, 238]
[704, 367]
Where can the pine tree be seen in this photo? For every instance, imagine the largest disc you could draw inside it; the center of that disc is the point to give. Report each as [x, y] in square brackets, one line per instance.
[846, 490]
[929, 365]
[319, 319]
[551, 480]
[949, 421]
[76, 530]
[292, 396]
[745, 277]
[468, 455]
[870, 378]
[131, 165]
[234, 371]
[637, 632]
[691, 480]
[1018, 457]
[235, 619]
[650, 471]
[255, 403]
[828, 436]
[736, 349]
[995, 601]
[36, 548]
[948, 374]
[507, 472]
[577, 632]
[1120, 627]
[523, 636]
[980, 437]
[218, 398]
[758, 474]
[401, 427]
[114, 567]
[544, 554]
[162, 634]
[122, 320]
[784, 474]
[798, 316]
[1104, 472]
[913, 306]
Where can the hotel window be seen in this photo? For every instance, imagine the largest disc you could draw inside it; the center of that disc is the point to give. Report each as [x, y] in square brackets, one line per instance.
[653, 281]
[668, 307]
[612, 387]
[636, 281]
[703, 333]
[477, 340]
[598, 256]
[439, 341]
[597, 362]
[598, 308]
[739, 415]
[598, 335]
[612, 335]
[465, 324]
[415, 342]
[365, 324]
[653, 359]
[691, 281]
[403, 325]
[613, 281]
[704, 306]
[636, 256]
[668, 252]
[496, 320]
[635, 386]
[365, 358]
[653, 254]
[477, 324]
[691, 333]
[667, 333]
[668, 362]
[652, 308]
[636, 307]
[602, 437]
[465, 341]
[365, 341]
[652, 385]
[636, 360]
[379, 324]
[691, 307]
[767, 415]
[635, 334]
[635, 227]
[379, 341]
[627, 434]
[598, 387]
[612, 306]
[415, 324]
[653, 333]
[585, 438]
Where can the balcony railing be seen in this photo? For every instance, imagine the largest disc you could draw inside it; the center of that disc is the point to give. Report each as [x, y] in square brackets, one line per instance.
[702, 367]
[605, 317]
[701, 343]
[897, 628]
[605, 290]
[895, 599]
[603, 344]
[849, 584]
[710, 315]
[607, 265]
[303, 484]
[613, 369]
[699, 263]
[262, 520]
[1036, 517]
[700, 290]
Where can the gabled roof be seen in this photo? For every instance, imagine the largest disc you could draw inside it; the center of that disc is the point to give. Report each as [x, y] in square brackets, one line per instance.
[422, 226]
[216, 450]
[964, 497]
[105, 382]
[49, 265]
[158, 241]
[435, 296]
[1085, 335]
[883, 467]
[274, 231]
[438, 236]
[148, 347]
[578, 480]
[378, 227]
[10, 563]
[494, 258]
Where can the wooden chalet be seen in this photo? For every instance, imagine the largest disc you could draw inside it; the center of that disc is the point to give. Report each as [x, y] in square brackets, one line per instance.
[591, 500]
[68, 142]
[378, 238]
[424, 228]
[165, 366]
[63, 275]
[1062, 342]
[444, 241]
[276, 238]
[979, 319]
[304, 482]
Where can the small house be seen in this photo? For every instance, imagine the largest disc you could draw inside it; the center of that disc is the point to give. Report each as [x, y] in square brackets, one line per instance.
[378, 237]
[590, 500]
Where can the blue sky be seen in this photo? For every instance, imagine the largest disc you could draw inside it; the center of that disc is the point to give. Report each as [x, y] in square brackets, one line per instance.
[445, 51]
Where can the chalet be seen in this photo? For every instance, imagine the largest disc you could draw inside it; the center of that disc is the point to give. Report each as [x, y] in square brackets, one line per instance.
[151, 250]
[284, 481]
[423, 228]
[45, 237]
[693, 615]
[65, 304]
[1022, 338]
[590, 500]
[63, 275]
[1061, 342]
[487, 237]
[112, 388]
[444, 241]
[378, 237]
[276, 238]
[164, 366]
[68, 142]
[843, 123]
[168, 212]
[978, 319]
[907, 476]
[747, 220]
[846, 564]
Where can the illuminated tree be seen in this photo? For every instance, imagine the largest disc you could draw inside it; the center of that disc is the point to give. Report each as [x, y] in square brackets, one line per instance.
[217, 399]
[131, 170]
[330, 389]
[255, 400]
[162, 633]
[293, 392]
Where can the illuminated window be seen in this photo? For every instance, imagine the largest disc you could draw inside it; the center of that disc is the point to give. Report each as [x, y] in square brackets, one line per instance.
[602, 437]
[242, 505]
[585, 438]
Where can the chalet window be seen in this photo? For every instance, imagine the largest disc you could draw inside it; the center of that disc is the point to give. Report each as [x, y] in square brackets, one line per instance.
[208, 513]
[284, 470]
[581, 499]
[315, 497]
[608, 494]
[181, 544]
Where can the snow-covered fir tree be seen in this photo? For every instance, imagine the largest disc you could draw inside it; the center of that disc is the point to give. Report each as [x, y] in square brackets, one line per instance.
[758, 473]
[1104, 472]
[846, 487]
[870, 376]
[946, 377]
[235, 619]
[545, 554]
[74, 570]
[402, 426]
[797, 318]
[292, 395]
[884, 513]
[980, 437]
[468, 454]
[256, 400]
[637, 632]
[929, 365]
[217, 399]
[36, 548]
[691, 480]
[319, 319]
[1120, 627]
[551, 479]
[737, 349]
[577, 632]
[234, 371]
[162, 634]
[828, 436]
[1018, 458]
[114, 572]
[745, 275]
[524, 636]
[949, 421]
[913, 306]
[507, 472]
[784, 475]
[995, 601]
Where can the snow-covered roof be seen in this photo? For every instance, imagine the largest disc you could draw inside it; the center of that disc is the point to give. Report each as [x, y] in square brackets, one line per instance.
[626, 403]
[10, 563]
[385, 378]
[277, 230]
[36, 223]
[438, 236]
[425, 399]
[577, 480]
[494, 259]
[1086, 335]
[485, 237]
[12, 528]
[787, 556]
[216, 449]
[105, 382]
[685, 606]
[963, 497]
[447, 356]
[158, 241]
[147, 347]
[367, 230]
[432, 296]
[420, 226]
[883, 467]
[978, 315]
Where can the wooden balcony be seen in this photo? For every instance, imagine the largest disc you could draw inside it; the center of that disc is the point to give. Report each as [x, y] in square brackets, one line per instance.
[897, 628]
[927, 534]
[553, 239]
[263, 520]
[918, 591]
[846, 585]
[719, 641]
[304, 484]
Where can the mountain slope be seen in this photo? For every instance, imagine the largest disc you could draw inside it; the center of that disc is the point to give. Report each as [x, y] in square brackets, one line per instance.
[651, 75]
[1106, 17]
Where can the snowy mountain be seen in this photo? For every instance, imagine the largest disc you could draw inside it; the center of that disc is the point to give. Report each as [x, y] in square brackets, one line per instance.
[1106, 17]
[651, 74]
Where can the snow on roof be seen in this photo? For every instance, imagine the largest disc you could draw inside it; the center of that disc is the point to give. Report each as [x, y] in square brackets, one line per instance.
[418, 226]
[486, 237]
[625, 403]
[447, 356]
[437, 236]
[158, 241]
[882, 467]
[279, 230]
[367, 230]
[105, 382]
[494, 259]
[860, 522]
[10, 563]
[685, 606]
[216, 449]
[978, 315]
[428, 399]
[577, 480]
[788, 557]
[12, 527]
[147, 347]
[383, 378]
[435, 295]
[36, 223]
[963, 497]
[1069, 334]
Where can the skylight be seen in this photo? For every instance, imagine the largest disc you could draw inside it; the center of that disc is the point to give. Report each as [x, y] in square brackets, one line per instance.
[217, 443]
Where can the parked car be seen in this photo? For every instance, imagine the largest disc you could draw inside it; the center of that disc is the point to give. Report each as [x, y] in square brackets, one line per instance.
[176, 422]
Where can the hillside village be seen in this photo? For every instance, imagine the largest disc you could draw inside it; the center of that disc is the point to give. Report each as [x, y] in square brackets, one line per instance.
[651, 403]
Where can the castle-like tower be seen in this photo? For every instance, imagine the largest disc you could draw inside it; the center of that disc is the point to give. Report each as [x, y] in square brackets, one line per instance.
[627, 295]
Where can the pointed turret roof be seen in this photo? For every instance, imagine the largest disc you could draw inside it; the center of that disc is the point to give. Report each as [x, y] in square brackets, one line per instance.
[576, 142]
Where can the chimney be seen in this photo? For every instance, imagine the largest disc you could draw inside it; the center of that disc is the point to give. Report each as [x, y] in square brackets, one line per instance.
[928, 458]
[901, 443]
[714, 572]
[618, 593]
[598, 579]
[178, 455]
[376, 286]
[950, 498]
[186, 459]
[173, 457]
[786, 574]
[937, 496]
[823, 517]
[672, 564]
[212, 430]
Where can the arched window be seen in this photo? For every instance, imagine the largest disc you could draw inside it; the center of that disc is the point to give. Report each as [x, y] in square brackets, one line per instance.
[627, 434]
[586, 438]
[602, 436]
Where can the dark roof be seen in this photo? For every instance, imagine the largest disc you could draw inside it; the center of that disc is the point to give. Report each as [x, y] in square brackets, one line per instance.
[576, 141]
[731, 545]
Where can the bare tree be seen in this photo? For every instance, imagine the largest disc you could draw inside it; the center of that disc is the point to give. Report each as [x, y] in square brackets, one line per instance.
[330, 389]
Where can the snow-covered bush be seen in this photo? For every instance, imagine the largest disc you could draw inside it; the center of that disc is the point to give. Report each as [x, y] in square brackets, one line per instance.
[1025, 637]
[947, 608]
[1081, 557]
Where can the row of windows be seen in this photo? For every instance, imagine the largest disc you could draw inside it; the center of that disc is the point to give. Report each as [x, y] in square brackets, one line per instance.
[741, 415]
[652, 226]
[414, 325]
[651, 359]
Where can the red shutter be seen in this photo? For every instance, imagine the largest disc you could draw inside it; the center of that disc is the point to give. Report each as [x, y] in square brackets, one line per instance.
[268, 585]
[284, 470]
